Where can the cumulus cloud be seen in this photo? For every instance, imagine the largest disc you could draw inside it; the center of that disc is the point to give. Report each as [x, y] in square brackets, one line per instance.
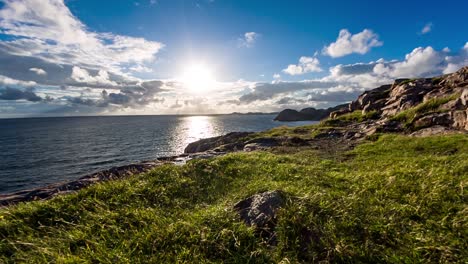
[346, 82]
[290, 100]
[248, 39]
[347, 43]
[14, 94]
[82, 76]
[306, 65]
[136, 96]
[65, 39]
[426, 29]
[266, 91]
[4, 81]
[419, 63]
[141, 68]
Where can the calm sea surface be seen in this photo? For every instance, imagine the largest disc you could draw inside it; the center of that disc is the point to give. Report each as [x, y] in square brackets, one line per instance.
[36, 152]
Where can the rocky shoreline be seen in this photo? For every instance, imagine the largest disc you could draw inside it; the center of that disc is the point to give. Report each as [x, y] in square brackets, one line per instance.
[49, 191]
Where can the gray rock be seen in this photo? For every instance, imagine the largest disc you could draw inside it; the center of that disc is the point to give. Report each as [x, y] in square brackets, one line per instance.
[260, 209]
[434, 130]
[261, 144]
[460, 119]
[215, 142]
[440, 119]
[255, 146]
[464, 97]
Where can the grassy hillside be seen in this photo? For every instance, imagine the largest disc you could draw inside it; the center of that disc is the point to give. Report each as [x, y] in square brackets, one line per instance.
[398, 199]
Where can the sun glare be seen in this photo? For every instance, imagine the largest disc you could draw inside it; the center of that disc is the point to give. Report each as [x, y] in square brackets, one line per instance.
[198, 78]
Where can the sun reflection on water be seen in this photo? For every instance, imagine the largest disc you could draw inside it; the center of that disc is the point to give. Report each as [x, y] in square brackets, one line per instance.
[193, 128]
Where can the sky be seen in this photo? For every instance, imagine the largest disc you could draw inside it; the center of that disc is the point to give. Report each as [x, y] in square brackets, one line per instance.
[125, 57]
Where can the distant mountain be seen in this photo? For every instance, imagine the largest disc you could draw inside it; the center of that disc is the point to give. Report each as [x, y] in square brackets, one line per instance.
[307, 114]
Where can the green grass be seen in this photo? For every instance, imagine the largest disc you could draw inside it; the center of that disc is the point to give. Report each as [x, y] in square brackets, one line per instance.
[408, 116]
[398, 199]
[285, 131]
[407, 81]
[349, 118]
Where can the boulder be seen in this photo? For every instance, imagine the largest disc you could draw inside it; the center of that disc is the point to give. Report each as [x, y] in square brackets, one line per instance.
[440, 119]
[464, 97]
[261, 144]
[434, 130]
[368, 98]
[260, 209]
[230, 139]
[460, 119]
[456, 79]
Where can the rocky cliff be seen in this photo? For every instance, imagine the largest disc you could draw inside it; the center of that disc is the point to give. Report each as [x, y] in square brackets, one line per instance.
[409, 105]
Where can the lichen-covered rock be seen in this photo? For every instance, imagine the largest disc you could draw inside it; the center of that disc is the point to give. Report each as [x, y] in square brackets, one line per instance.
[260, 209]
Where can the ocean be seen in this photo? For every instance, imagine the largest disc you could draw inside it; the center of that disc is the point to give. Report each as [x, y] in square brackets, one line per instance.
[36, 152]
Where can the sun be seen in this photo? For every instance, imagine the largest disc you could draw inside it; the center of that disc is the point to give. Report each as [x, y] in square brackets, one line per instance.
[198, 78]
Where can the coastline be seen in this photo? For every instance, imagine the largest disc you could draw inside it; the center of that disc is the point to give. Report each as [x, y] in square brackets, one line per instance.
[114, 173]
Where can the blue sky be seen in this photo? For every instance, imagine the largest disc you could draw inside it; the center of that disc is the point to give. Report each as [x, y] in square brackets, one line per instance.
[83, 57]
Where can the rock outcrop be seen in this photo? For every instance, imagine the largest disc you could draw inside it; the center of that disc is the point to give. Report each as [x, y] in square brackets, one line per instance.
[260, 209]
[416, 103]
[228, 142]
[306, 114]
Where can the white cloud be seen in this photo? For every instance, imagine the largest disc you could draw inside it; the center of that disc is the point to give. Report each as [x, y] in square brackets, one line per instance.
[420, 62]
[141, 68]
[7, 81]
[306, 64]
[346, 43]
[426, 29]
[466, 47]
[276, 76]
[38, 71]
[65, 39]
[82, 76]
[248, 40]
